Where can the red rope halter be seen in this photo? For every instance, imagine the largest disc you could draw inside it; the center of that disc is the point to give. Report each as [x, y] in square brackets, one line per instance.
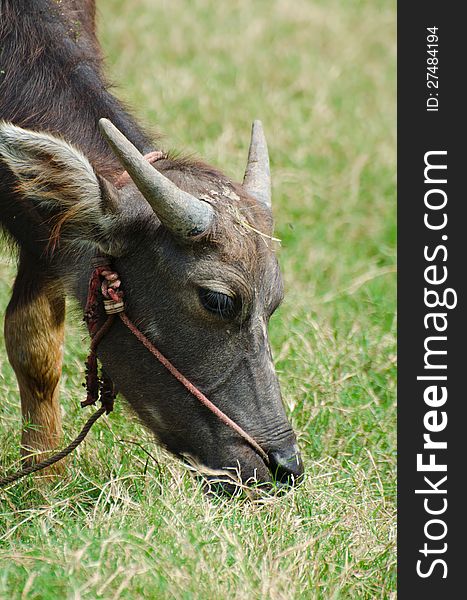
[106, 280]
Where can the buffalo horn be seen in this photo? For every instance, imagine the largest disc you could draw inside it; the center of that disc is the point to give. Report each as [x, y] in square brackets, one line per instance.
[257, 178]
[179, 211]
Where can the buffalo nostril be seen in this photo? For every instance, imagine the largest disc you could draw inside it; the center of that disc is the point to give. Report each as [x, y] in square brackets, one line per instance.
[286, 466]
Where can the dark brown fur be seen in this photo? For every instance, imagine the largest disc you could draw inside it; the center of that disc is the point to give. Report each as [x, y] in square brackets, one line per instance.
[50, 79]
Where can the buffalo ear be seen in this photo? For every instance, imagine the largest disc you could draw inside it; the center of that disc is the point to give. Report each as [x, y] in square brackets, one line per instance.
[80, 207]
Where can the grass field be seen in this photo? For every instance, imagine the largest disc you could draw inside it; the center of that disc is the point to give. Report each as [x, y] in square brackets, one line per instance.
[321, 76]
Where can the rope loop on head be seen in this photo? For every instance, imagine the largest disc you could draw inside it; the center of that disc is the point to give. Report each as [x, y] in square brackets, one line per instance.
[151, 157]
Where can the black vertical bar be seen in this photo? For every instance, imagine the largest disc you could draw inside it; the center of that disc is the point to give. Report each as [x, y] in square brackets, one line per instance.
[442, 129]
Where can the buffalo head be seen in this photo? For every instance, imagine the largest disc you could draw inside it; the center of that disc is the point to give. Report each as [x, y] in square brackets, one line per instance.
[196, 257]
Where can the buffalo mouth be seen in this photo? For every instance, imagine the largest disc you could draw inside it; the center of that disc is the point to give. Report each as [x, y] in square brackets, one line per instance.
[286, 465]
[263, 480]
[218, 486]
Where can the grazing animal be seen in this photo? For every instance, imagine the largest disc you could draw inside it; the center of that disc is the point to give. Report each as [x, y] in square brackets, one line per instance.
[193, 249]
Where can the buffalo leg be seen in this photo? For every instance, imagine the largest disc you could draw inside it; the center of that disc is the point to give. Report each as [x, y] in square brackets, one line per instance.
[34, 330]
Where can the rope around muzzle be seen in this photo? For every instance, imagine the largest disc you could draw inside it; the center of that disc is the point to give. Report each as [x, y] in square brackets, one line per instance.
[107, 281]
[193, 389]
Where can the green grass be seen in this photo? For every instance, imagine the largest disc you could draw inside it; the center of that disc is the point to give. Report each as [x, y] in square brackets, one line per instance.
[321, 76]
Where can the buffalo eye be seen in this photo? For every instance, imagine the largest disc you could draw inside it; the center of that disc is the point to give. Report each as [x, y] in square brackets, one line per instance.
[217, 303]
